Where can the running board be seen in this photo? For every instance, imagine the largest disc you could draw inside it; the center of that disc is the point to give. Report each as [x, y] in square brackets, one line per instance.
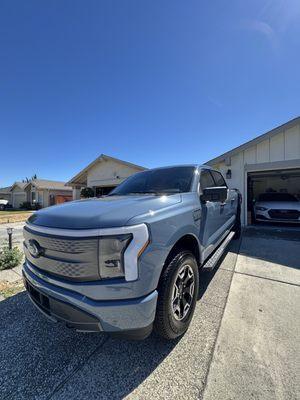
[212, 261]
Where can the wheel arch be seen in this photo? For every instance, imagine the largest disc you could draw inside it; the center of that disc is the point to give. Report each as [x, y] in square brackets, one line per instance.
[186, 242]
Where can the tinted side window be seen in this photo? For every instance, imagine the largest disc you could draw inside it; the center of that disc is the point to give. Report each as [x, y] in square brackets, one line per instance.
[206, 179]
[219, 180]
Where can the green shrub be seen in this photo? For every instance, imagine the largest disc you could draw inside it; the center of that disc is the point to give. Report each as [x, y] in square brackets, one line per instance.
[87, 192]
[26, 205]
[36, 206]
[10, 258]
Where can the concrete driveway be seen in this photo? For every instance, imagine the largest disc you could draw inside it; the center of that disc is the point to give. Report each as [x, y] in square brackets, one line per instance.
[232, 349]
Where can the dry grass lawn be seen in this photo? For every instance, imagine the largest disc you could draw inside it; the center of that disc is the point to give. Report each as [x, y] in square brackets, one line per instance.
[8, 289]
[14, 216]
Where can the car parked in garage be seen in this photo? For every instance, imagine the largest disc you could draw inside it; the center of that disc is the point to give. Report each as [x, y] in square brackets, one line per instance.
[277, 207]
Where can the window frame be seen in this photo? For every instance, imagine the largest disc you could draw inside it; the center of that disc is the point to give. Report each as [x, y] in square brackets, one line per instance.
[218, 172]
[209, 172]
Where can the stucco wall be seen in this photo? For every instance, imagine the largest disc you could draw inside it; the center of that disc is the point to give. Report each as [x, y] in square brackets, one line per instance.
[109, 173]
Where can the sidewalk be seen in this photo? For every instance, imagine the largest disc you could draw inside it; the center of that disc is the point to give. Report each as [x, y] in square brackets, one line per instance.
[257, 350]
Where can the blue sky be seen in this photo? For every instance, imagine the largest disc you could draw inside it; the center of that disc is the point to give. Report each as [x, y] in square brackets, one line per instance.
[151, 82]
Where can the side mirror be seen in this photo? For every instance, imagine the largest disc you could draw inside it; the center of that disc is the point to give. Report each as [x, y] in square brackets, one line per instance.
[215, 194]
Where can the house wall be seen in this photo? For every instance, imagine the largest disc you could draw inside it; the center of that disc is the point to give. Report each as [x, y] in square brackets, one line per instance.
[48, 193]
[109, 173]
[277, 152]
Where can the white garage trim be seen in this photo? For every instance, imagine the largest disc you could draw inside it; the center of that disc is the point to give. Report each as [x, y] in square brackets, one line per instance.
[287, 164]
[269, 166]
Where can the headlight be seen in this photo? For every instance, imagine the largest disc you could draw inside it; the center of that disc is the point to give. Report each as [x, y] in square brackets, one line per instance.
[111, 255]
[261, 208]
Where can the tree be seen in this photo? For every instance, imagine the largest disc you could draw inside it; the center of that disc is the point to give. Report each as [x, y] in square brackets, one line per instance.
[87, 192]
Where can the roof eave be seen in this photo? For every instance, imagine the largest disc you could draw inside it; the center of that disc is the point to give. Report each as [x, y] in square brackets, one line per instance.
[76, 179]
[254, 141]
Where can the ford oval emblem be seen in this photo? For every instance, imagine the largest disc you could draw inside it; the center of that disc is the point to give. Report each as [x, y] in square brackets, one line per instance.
[34, 248]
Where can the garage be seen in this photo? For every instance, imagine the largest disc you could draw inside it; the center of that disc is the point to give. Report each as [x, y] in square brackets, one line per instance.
[266, 170]
[18, 199]
[18, 195]
[273, 197]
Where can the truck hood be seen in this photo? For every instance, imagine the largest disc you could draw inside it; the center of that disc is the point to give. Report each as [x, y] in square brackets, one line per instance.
[106, 212]
[279, 205]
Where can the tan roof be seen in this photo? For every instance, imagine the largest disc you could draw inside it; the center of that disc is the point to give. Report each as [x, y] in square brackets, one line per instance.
[47, 184]
[20, 184]
[82, 175]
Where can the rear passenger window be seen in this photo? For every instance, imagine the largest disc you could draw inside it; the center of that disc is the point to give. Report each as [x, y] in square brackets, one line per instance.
[219, 180]
[206, 180]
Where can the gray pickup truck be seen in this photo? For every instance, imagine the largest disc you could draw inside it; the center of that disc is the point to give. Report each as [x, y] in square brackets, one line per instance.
[129, 262]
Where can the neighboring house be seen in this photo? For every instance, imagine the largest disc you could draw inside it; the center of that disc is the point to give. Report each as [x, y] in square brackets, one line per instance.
[47, 193]
[18, 195]
[268, 163]
[44, 192]
[5, 194]
[102, 175]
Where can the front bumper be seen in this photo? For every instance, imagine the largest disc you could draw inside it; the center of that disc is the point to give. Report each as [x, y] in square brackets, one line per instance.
[264, 216]
[85, 314]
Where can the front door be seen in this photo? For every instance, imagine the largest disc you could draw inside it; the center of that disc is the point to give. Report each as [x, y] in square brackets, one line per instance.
[211, 216]
[227, 208]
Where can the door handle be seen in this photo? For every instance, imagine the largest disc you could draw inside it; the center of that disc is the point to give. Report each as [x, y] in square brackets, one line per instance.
[223, 204]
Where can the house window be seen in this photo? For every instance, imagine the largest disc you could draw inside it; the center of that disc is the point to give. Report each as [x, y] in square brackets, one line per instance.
[33, 197]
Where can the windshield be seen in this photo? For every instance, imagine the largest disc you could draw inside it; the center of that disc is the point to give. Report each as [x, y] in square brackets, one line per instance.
[157, 181]
[277, 197]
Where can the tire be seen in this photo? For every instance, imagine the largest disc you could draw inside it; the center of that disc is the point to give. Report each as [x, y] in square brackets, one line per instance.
[237, 225]
[2, 207]
[169, 323]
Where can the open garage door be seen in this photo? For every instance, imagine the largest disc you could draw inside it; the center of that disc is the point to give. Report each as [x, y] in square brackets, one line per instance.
[273, 197]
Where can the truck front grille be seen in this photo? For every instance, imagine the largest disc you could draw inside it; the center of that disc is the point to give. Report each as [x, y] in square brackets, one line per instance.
[73, 259]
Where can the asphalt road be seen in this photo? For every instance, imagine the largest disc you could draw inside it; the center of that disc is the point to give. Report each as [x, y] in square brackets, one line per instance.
[41, 360]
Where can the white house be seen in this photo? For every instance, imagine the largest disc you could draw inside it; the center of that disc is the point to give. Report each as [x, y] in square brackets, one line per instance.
[270, 162]
[102, 175]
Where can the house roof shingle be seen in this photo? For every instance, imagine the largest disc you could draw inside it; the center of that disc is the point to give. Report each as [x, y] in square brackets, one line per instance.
[48, 184]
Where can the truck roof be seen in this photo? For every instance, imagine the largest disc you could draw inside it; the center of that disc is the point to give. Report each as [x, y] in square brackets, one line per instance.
[198, 166]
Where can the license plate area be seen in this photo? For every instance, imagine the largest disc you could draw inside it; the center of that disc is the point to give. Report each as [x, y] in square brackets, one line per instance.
[39, 298]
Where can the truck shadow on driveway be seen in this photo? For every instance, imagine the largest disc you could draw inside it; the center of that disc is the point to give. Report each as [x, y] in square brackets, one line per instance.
[40, 359]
